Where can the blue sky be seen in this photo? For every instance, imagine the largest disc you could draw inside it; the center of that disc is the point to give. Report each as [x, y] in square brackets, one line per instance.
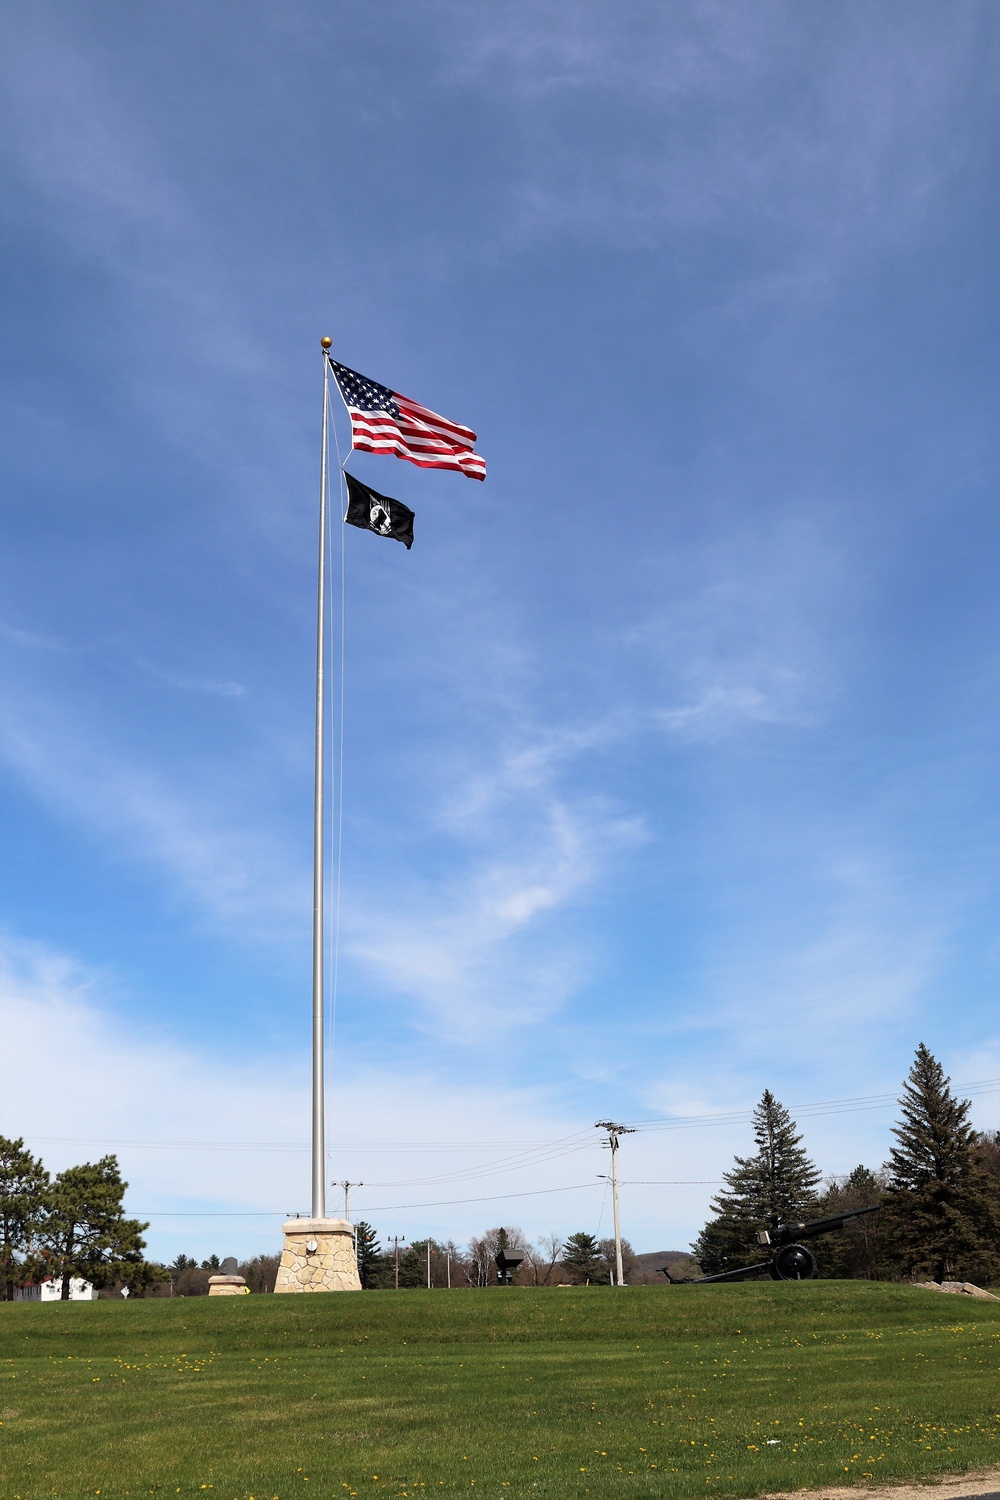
[670, 752]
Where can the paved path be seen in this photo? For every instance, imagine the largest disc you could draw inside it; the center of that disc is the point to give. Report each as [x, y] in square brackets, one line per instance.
[980, 1486]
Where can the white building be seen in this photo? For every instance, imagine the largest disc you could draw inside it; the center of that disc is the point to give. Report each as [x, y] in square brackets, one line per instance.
[51, 1291]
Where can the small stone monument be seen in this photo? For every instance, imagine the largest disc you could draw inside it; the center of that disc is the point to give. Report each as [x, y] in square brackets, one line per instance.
[318, 1256]
[227, 1283]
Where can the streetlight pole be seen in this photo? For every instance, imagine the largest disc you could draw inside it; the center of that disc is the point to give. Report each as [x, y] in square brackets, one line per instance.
[614, 1132]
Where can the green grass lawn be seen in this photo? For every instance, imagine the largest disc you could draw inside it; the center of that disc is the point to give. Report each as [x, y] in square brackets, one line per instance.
[641, 1391]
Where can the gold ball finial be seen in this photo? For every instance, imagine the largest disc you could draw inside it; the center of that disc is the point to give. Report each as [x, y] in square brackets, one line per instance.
[326, 343]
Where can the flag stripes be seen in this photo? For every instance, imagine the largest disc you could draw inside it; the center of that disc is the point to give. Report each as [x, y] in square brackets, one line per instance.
[383, 421]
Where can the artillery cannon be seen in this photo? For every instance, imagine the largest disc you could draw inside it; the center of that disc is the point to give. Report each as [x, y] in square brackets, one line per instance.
[791, 1260]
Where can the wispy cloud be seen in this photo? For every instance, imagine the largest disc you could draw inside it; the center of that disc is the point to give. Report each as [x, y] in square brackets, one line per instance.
[720, 710]
[522, 855]
[35, 640]
[826, 126]
[760, 627]
[186, 684]
[237, 871]
[474, 945]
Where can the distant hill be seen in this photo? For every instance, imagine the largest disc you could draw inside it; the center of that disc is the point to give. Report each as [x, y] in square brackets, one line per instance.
[646, 1271]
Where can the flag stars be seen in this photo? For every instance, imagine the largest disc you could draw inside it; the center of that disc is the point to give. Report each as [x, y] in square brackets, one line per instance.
[363, 394]
[383, 421]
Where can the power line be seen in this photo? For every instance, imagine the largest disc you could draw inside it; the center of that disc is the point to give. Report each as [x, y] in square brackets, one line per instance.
[378, 1208]
[408, 1145]
[813, 1110]
[530, 1157]
[519, 1148]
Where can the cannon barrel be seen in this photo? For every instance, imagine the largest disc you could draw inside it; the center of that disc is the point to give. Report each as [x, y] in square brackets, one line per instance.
[739, 1273]
[786, 1234]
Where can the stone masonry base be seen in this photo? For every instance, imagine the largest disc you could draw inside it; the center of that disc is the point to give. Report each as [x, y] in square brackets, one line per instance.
[227, 1286]
[318, 1256]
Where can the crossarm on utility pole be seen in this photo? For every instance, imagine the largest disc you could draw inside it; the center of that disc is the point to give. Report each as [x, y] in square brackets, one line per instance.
[614, 1132]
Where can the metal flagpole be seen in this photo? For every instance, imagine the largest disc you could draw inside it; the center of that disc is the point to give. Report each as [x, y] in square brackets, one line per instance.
[318, 1124]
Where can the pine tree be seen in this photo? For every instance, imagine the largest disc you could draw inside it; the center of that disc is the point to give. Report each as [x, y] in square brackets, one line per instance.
[369, 1253]
[581, 1256]
[145, 1278]
[988, 1155]
[776, 1185]
[23, 1181]
[84, 1231]
[942, 1205]
[413, 1264]
[860, 1251]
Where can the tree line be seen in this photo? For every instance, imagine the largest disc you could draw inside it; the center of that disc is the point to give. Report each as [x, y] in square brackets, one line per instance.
[939, 1193]
[581, 1260]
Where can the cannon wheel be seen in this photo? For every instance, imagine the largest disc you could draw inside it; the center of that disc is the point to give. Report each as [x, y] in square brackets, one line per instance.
[794, 1263]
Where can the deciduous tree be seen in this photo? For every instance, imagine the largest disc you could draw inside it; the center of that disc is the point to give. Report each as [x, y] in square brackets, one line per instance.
[540, 1260]
[260, 1272]
[192, 1281]
[607, 1249]
[480, 1262]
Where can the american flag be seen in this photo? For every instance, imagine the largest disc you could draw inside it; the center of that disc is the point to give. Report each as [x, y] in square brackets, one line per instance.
[383, 421]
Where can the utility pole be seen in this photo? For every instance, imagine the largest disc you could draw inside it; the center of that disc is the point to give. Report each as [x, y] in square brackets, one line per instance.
[347, 1196]
[395, 1241]
[448, 1262]
[428, 1262]
[614, 1131]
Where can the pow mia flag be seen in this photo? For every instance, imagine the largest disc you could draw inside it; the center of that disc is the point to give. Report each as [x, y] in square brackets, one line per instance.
[374, 512]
